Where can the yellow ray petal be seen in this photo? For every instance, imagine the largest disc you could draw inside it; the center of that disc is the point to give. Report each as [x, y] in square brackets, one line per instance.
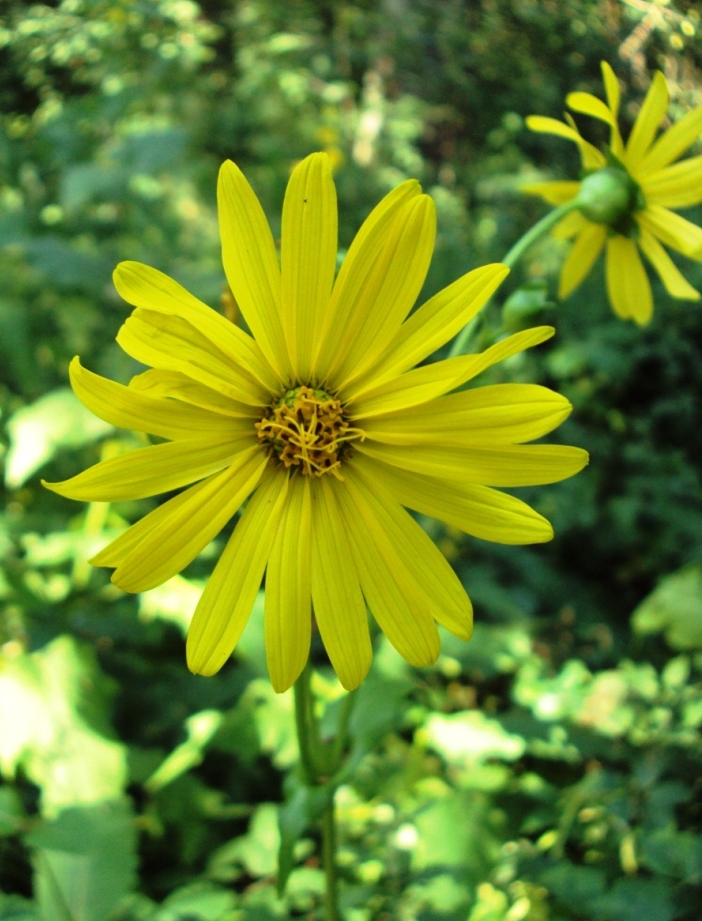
[612, 89]
[627, 284]
[129, 409]
[433, 324]
[676, 285]
[672, 230]
[251, 264]
[170, 344]
[555, 193]
[389, 292]
[288, 605]
[433, 577]
[307, 258]
[678, 186]
[357, 266]
[226, 603]
[176, 540]
[506, 465]
[146, 287]
[392, 594]
[495, 414]
[647, 121]
[672, 143]
[149, 471]
[336, 594]
[571, 225]
[582, 257]
[591, 157]
[179, 386]
[590, 105]
[477, 510]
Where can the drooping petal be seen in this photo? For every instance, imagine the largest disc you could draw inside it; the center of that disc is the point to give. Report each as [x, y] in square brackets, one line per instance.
[676, 285]
[389, 292]
[288, 605]
[336, 594]
[433, 576]
[129, 409]
[647, 121]
[433, 324]
[150, 289]
[505, 465]
[150, 471]
[251, 264]
[357, 267]
[495, 414]
[672, 143]
[169, 343]
[178, 386]
[555, 193]
[627, 283]
[174, 542]
[307, 258]
[677, 186]
[587, 247]
[591, 157]
[478, 510]
[672, 230]
[226, 603]
[393, 596]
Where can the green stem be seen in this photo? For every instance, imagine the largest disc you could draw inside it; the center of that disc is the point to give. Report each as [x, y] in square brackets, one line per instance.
[331, 894]
[342, 728]
[306, 725]
[542, 227]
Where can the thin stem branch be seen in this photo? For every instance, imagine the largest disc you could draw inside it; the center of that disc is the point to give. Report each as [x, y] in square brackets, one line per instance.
[304, 723]
[331, 894]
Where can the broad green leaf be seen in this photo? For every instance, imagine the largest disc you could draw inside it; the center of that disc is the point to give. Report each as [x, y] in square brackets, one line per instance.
[467, 739]
[674, 608]
[200, 728]
[198, 902]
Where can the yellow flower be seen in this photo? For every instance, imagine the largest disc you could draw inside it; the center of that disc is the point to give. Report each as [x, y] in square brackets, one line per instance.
[626, 197]
[319, 422]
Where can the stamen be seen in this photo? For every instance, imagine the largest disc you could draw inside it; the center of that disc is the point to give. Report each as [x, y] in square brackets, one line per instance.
[307, 429]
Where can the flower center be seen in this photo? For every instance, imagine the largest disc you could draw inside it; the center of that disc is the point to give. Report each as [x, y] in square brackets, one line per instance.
[306, 429]
[610, 196]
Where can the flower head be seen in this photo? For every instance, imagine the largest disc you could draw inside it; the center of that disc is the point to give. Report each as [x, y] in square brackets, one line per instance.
[320, 423]
[625, 196]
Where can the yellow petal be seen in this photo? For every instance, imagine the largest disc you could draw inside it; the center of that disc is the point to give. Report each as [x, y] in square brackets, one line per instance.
[175, 541]
[179, 386]
[170, 344]
[495, 414]
[676, 285]
[571, 225]
[433, 324]
[591, 157]
[431, 573]
[149, 471]
[336, 594]
[672, 230]
[612, 88]
[555, 193]
[389, 292]
[288, 605]
[627, 284]
[307, 257]
[357, 266]
[146, 287]
[582, 257]
[129, 409]
[672, 143]
[678, 186]
[590, 105]
[506, 465]
[226, 603]
[647, 121]
[477, 510]
[251, 264]
[392, 594]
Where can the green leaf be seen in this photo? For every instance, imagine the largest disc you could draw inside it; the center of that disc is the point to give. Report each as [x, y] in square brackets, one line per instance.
[379, 708]
[38, 431]
[674, 608]
[199, 902]
[305, 806]
[12, 815]
[84, 861]
[467, 739]
[200, 728]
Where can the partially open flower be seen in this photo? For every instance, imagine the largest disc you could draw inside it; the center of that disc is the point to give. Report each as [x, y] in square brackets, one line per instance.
[625, 196]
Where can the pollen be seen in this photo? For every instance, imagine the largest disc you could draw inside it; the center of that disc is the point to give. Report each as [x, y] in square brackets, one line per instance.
[307, 432]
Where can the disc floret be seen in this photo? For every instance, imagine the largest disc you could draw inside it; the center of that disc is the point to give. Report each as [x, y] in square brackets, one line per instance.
[307, 431]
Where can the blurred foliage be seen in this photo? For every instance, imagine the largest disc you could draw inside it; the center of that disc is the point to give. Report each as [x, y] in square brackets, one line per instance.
[546, 771]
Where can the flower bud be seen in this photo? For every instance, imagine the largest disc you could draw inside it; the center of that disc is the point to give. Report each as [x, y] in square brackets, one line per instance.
[607, 195]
